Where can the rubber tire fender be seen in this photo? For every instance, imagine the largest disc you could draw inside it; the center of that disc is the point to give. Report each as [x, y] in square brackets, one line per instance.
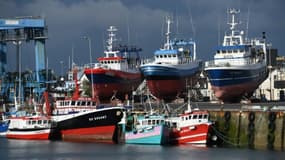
[251, 116]
[227, 115]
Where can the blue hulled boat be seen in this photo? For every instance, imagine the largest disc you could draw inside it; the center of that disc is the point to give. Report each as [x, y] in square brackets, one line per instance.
[174, 66]
[148, 129]
[239, 64]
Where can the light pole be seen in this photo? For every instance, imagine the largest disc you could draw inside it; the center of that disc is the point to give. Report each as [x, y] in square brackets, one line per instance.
[90, 59]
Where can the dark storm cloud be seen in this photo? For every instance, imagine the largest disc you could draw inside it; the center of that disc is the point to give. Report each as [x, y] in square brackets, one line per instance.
[204, 20]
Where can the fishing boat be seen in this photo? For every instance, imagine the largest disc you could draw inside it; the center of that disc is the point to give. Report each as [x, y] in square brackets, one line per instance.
[34, 126]
[4, 124]
[174, 66]
[239, 64]
[83, 119]
[191, 127]
[116, 74]
[4, 127]
[148, 129]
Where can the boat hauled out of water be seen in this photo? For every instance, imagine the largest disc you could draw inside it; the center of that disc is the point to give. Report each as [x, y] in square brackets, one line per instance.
[116, 74]
[239, 64]
[174, 66]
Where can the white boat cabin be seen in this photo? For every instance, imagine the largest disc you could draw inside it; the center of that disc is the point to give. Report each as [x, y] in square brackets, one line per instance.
[73, 106]
[148, 122]
[188, 120]
[29, 122]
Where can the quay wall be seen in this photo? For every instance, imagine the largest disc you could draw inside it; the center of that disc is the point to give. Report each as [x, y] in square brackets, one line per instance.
[249, 128]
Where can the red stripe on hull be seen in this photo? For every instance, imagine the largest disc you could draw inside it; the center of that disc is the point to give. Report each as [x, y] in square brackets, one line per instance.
[106, 91]
[186, 135]
[43, 136]
[94, 134]
[234, 92]
[168, 89]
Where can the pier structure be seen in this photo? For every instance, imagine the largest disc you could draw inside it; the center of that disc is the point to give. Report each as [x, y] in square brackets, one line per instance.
[17, 31]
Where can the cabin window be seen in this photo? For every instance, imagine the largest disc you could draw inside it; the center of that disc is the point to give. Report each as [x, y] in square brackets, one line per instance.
[186, 118]
[200, 116]
[149, 122]
[195, 117]
[144, 122]
[153, 122]
[174, 55]
[61, 103]
[157, 121]
[189, 117]
[165, 56]
[72, 103]
[83, 103]
[34, 122]
[161, 56]
[78, 103]
[45, 121]
[67, 103]
[29, 122]
[205, 116]
[88, 103]
[93, 103]
[39, 121]
[224, 51]
[235, 51]
[157, 56]
[49, 121]
[218, 51]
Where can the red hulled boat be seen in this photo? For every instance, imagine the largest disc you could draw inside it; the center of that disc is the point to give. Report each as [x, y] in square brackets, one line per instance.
[117, 74]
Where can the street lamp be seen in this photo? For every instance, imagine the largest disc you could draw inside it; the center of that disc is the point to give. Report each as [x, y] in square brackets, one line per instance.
[90, 59]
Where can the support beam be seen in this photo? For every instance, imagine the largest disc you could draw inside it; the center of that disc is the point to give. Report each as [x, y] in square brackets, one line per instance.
[3, 58]
[40, 58]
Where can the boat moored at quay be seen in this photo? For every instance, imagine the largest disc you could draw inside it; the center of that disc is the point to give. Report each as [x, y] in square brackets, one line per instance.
[191, 127]
[83, 119]
[239, 65]
[148, 129]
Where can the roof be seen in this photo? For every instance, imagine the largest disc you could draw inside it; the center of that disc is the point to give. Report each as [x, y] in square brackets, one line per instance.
[236, 47]
[159, 52]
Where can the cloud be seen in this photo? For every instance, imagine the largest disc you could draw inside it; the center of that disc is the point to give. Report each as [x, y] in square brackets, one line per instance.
[140, 22]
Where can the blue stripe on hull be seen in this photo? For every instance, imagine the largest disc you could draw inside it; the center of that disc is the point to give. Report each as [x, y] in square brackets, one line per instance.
[163, 72]
[226, 77]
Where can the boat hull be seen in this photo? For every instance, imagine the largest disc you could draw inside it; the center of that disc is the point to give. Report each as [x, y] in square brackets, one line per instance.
[108, 83]
[242, 81]
[156, 135]
[197, 134]
[29, 134]
[4, 128]
[167, 82]
[98, 125]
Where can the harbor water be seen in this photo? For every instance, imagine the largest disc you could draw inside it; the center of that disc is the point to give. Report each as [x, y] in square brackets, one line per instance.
[23, 149]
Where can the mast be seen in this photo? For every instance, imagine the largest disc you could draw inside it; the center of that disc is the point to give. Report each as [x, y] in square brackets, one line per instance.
[112, 38]
[167, 44]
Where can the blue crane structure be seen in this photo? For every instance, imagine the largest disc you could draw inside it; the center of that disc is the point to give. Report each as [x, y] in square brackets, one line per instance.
[18, 30]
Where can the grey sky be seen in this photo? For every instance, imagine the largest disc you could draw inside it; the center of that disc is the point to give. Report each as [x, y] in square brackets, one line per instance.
[203, 20]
